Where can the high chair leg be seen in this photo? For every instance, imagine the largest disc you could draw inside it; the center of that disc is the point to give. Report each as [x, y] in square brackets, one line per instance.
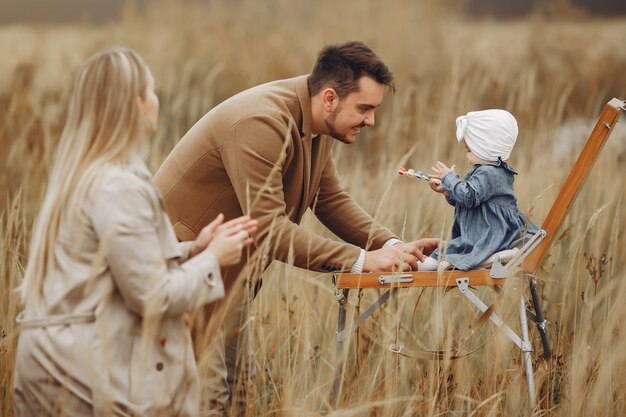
[528, 360]
[339, 360]
[540, 321]
[523, 342]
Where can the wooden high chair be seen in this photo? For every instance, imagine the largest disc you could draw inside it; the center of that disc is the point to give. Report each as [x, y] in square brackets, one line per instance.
[528, 259]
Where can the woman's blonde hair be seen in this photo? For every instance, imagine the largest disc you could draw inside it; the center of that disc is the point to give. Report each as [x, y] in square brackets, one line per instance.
[102, 127]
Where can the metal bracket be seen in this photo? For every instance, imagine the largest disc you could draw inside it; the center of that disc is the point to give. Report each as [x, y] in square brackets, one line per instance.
[498, 270]
[395, 348]
[525, 250]
[533, 317]
[395, 279]
[543, 325]
[463, 284]
[340, 295]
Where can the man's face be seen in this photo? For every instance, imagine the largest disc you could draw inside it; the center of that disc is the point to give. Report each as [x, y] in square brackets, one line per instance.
[470, 157]
[355, 111]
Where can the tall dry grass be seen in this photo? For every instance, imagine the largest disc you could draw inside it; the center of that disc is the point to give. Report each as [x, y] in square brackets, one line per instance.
[553, 75]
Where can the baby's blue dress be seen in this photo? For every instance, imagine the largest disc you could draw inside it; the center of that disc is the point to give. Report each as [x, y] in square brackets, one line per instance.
[486, 217]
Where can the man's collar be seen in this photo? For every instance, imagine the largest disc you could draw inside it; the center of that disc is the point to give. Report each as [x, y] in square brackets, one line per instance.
[304, 96]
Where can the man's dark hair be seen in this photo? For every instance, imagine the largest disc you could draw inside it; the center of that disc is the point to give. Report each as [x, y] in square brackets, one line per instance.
[342, 65]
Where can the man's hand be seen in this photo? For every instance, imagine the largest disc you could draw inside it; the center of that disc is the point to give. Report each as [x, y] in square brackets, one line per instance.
[400, 257]
[423, 246]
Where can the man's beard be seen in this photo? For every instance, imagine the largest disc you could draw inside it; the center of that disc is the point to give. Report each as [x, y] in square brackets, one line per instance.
[332, 131]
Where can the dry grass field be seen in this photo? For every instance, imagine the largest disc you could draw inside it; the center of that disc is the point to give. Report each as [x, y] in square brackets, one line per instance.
[554, 75]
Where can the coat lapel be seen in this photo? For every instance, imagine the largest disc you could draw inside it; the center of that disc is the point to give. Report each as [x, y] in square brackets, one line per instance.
[302, 90]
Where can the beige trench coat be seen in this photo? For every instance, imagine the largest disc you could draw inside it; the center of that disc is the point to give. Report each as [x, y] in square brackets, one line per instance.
[109, 337]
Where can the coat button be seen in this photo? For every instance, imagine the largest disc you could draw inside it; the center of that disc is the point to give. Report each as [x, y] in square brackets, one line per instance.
[159, 366]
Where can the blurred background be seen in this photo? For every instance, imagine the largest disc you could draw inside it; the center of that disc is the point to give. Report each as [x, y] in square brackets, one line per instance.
[94, 11]
[553, 64]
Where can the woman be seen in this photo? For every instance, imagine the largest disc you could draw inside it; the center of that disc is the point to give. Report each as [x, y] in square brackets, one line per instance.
[107, 284]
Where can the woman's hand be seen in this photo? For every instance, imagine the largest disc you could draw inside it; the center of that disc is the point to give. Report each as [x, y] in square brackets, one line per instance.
[205, 236]
[230, 238]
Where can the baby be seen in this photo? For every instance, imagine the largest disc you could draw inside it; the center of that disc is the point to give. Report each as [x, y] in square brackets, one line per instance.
[486, 217]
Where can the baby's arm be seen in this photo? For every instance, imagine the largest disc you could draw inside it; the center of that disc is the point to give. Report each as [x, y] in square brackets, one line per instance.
[440, 171]
[471, 193]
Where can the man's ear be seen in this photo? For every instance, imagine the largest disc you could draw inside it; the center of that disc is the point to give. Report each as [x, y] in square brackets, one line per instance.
[330, 99]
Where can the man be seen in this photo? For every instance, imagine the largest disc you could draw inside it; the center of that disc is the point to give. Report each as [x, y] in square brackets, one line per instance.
[267, 152]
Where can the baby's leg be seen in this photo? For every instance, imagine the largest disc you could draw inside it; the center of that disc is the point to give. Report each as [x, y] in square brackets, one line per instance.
[429, 264]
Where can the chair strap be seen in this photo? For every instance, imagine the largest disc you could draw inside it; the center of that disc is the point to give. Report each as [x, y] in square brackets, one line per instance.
[401, 349]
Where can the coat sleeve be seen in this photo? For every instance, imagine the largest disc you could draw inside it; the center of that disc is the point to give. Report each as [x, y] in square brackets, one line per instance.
[477, 189]
[343, 216]
[254, 157]
[125, 221]
[185, 249]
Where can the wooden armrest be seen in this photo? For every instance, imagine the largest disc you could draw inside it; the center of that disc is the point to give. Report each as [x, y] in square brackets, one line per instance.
[414, 279]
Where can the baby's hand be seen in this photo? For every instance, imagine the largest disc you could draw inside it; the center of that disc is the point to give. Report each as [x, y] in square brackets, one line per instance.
[435, 185]
[441, 170]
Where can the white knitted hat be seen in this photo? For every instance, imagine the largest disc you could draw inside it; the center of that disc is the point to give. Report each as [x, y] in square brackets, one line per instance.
[490, 134]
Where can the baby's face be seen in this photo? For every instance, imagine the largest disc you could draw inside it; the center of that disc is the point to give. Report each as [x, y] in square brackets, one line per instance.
[470, 157]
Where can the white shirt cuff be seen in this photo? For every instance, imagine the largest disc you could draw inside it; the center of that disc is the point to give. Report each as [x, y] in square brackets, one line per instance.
[391, 242]
[357, 267]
